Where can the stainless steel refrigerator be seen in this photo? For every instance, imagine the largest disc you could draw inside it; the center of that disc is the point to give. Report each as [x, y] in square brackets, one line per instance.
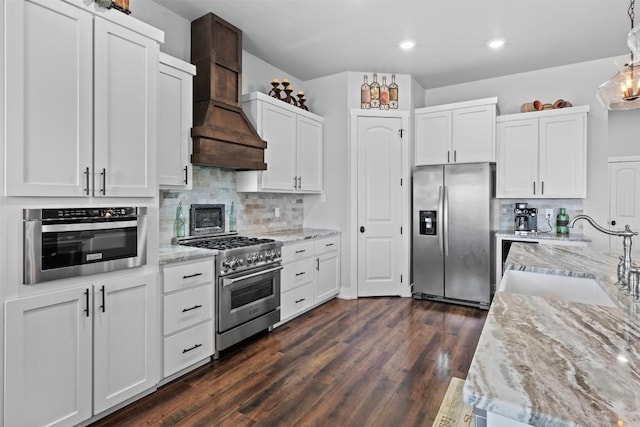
[452, 242]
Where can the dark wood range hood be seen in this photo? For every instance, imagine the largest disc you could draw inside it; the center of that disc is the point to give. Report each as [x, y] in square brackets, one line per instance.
[222, 134]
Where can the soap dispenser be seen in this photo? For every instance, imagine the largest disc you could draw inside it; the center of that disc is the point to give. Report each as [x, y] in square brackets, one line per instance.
[562, 222]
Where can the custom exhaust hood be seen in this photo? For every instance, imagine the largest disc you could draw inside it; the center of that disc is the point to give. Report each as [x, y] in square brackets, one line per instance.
[222, 134]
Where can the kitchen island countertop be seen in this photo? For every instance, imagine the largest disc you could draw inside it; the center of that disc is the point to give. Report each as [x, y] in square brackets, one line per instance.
[550, 362]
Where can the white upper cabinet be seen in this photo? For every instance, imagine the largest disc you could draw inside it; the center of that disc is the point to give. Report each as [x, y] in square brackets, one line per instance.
[175, 106]
[49, 101]
[294, 147]
[543, 154]
[463, 132]
[81, 101]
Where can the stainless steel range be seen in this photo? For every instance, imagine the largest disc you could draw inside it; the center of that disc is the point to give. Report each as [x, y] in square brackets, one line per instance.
[247, 284]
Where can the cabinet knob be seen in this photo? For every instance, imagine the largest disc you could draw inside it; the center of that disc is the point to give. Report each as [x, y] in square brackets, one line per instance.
[362, 229]
[613, 222]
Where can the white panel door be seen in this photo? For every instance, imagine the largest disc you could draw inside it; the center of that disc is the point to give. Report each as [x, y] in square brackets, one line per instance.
[49, 102]
[379, 206]
[563, 151]
[48, 359]
[174, 127]
[473, 134]
[624, 199]
[125, 88]
[125, 340]
[433, 138]
[309, 154]
[278, 128]
[517, 166]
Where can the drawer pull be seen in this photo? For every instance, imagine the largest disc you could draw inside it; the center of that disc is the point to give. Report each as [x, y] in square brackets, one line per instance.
[300, 274]
[301, 251]
[189, 276]
[187, 350]
[329, 244]
[300, 300]
[184, 310]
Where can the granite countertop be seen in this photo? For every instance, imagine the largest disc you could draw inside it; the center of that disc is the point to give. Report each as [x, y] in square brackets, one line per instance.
[572, 237]
[292, 236]
[177, 253]
[551, 362]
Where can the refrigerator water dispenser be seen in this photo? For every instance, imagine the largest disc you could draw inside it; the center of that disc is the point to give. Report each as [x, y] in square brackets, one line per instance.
[428, 222]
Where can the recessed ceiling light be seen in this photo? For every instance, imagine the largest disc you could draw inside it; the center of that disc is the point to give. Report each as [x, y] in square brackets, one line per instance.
[407, 44]
[495, 43]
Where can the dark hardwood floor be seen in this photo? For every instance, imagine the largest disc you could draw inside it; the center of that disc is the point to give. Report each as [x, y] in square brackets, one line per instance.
[364, 362]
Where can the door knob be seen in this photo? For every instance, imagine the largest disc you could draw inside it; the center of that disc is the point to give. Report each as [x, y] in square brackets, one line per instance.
[613, 222]
[362, 229]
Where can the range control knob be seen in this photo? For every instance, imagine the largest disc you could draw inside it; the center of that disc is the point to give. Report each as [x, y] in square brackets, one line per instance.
[261, 257]
[240, 262]
[278, 254]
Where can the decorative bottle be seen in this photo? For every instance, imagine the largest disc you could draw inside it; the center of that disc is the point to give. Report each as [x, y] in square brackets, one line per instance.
[232, 218]
[365, 94]
[562, 222]
[384, 94]
[393, 93]
[375, 92]
[179, 222]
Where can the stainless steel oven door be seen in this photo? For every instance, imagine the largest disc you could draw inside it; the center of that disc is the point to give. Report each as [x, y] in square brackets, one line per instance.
[247, 295]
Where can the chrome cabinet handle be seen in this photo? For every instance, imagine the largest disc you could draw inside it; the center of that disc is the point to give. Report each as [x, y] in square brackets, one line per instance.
[448, 156]
[299, 182]
[186, 350]
[104, 301]
[455, 152]
[318, 264]
[189, 276]
[86, 175]
[534, 187]
[195, 307]
[295, 182]
[542, 187]
[104, 181]
[186, 176]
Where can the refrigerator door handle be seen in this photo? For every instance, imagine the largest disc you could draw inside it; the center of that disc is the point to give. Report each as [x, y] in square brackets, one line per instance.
[445, 219]
[439, 219]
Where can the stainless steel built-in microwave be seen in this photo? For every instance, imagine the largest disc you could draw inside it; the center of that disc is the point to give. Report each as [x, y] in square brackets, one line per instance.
[61, 243]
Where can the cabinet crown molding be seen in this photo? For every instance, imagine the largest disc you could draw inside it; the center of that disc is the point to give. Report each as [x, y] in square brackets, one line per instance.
[456, 105]
[544, 113]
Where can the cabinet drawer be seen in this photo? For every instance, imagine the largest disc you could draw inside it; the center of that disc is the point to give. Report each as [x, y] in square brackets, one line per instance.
[187, 308]
[330, 244]
[296, 300]
[297, 251]
[296, 273]
[185, 275]
[188, 347]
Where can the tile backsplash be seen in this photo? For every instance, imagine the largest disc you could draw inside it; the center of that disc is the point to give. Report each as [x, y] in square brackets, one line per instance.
[572, 206]
[255, 212]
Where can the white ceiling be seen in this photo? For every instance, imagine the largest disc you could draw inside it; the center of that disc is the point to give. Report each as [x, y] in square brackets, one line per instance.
[314, 38]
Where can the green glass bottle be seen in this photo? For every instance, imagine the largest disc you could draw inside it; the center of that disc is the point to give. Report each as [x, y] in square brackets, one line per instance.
[562, 222]
[179, 222]
[232, 218]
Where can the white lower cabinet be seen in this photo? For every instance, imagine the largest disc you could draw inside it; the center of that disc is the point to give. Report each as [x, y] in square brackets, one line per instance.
[188, 313]
[69, 350]
[310, 275]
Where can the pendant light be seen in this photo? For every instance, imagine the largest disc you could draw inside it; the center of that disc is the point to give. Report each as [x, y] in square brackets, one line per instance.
[622, 91]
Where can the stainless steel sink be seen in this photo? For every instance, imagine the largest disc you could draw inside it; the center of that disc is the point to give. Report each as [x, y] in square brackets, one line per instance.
[575, 289]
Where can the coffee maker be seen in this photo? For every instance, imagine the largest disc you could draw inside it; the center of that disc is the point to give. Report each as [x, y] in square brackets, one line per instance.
[525, 219]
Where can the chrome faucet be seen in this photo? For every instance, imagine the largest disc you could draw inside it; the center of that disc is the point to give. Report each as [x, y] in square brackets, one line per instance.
[626, 235]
